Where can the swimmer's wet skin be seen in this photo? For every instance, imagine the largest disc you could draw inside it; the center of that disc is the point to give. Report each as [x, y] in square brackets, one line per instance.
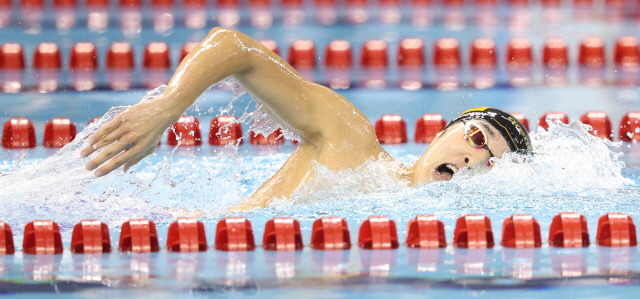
[334, 133]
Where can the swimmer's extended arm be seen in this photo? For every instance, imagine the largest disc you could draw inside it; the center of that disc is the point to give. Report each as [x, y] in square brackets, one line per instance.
[312, 111]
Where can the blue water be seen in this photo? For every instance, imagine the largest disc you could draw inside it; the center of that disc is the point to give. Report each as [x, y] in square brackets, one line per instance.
[582, 177]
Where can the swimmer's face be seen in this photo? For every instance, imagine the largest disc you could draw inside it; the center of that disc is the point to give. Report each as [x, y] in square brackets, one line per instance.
[450, 151]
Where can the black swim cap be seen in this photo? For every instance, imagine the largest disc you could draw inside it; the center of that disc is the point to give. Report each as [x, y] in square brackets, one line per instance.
[509, 127]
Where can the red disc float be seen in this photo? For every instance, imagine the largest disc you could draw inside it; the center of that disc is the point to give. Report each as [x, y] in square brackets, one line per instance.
[569, 230]
[97, 3]
[473, 231]
[391, 129]
[374, 54]
[225, 130]
[42, 237]
[519, 54]
[521, 231]
[130, 3]
[378, 232]
[11, 56]
[6, 239]
[630, 127]
[64, 3]
[411, 53]
[428, 126]
[302, 54]
[186, 48]
[156, 56]
[591, 53]
[139, 235]
[600, 123]
[120, 56]
[58, 132]
[234, 234]
[84, 55]
[555, 53]
[47, 56]
[18, 132]
[282, 234]
[90, 236]
[483, 53]
[553, 116]
[446, 53]
[330, 233]
[271, 45]
[338, 54]
[627, 52]
[523, 120]
[185, 132]
[275, 138]
[616, 230]
[186, 235]
[425, 231]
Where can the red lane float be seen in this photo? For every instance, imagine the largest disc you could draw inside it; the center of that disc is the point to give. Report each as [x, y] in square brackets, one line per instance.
[42, 237]
[553, 116]
[275, 138]
[446, 53]
[58, 132]
[120, 56]
[186, 235]
[225, 130]
[627, 53]
[186, 48]
[519, 53]
[411, 53]
[522, 119]
[473, 231]
[6, 239]
[302, 54]
[18, 132]
[378, 232]
[330, 233]
[271, 45]
[374, 54]
[616, 230]
[90, 236]
[591, 54]
[600, 123]
[140, 236]
[282, 234]
[555, 54]
[425, 231]
[186, 132]
[391, 129]
[47, 56]
[84, 56]
[569, 230]
[630, 127]
[338, 54]
[428, 126]
[483, 53]
[11, 56]
[521, 231]
[234, 234]
[156, 56]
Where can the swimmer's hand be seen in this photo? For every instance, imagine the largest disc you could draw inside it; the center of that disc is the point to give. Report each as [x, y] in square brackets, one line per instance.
[131, 135]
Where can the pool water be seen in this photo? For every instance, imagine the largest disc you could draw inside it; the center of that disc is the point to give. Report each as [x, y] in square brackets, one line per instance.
[571, 171]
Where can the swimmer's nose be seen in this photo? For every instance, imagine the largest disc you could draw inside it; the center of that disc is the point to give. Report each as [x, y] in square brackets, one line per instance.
[466, 160]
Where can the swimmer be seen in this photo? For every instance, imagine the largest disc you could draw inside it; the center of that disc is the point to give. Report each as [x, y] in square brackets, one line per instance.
[334, 133]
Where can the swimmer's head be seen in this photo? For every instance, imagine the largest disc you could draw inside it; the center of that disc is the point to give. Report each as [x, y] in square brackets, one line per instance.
[468, 140]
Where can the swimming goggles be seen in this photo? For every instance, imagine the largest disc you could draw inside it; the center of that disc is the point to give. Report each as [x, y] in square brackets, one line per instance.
[477, 138]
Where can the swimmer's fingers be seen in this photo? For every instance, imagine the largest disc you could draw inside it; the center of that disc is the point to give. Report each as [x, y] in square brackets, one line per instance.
[104, 141]
[123, 144]
[137, 159]
[96, 141]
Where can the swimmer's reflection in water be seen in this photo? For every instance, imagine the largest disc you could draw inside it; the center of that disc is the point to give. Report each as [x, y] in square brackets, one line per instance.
[334, 133]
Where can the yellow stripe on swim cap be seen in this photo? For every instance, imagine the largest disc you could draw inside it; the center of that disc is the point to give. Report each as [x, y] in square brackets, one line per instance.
[477, 109]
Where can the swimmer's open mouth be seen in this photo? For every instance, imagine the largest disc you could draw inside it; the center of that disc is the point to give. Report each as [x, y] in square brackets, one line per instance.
[445, 171]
